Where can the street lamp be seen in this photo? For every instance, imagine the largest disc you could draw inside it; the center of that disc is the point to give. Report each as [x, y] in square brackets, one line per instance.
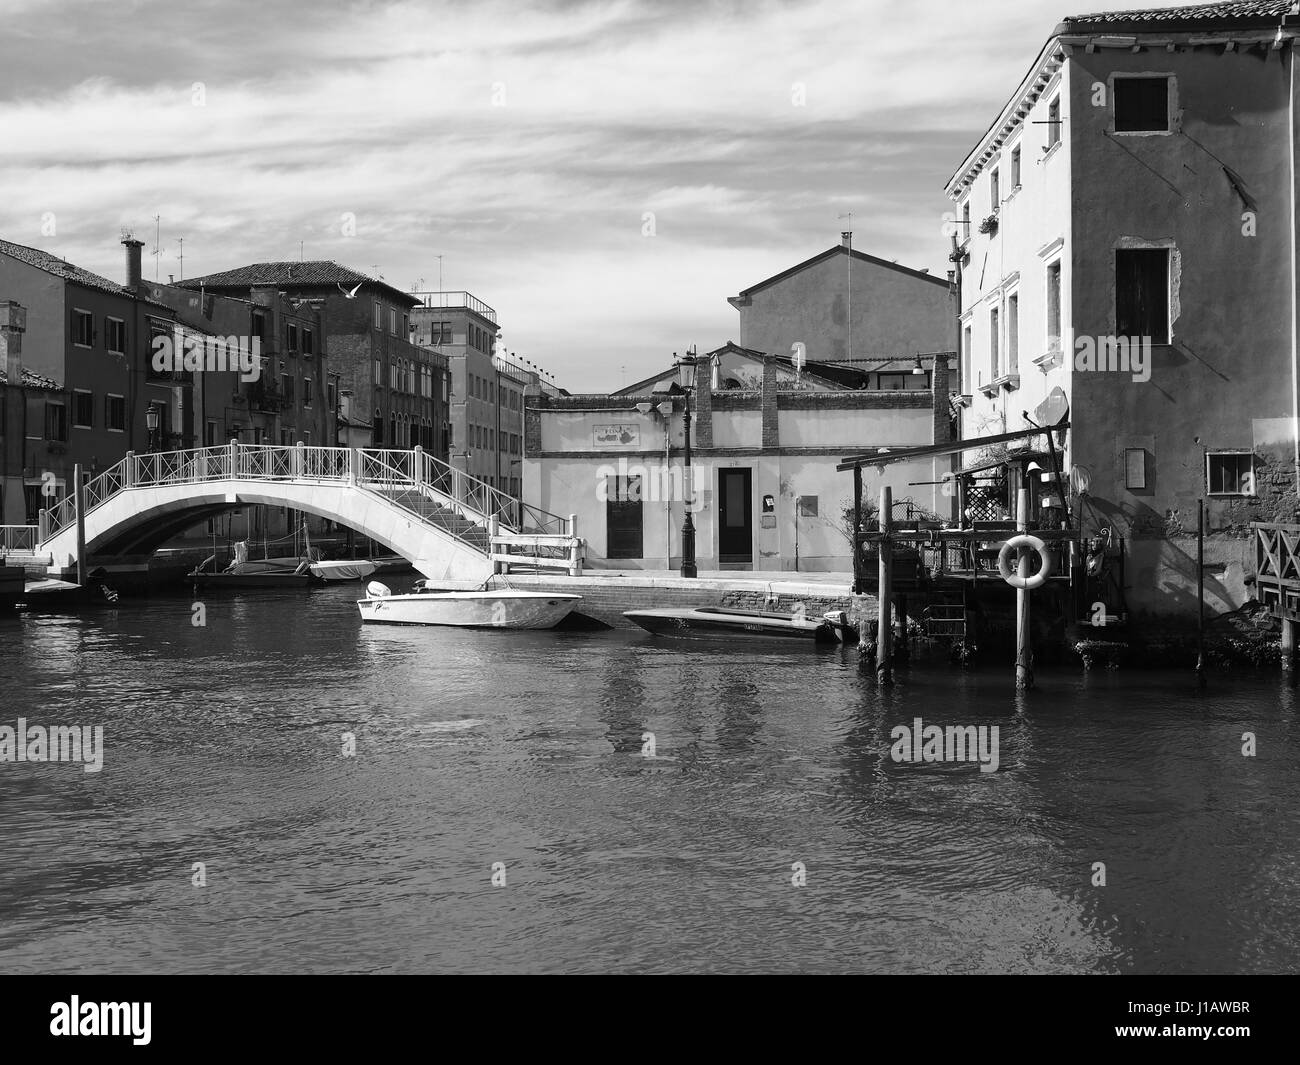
[686, 378]
[151, 423]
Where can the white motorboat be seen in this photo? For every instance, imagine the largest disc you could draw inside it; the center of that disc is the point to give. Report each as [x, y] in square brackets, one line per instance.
[343, 570]
[483, 608]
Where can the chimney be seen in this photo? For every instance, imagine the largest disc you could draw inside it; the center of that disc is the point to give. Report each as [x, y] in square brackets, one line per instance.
[133, 247]
[846, 239]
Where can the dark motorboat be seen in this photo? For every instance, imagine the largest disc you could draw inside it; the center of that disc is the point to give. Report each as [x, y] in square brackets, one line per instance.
[720, 622]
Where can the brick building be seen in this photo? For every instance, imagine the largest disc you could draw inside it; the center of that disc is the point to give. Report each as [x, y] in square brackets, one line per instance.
[399, 387]
[83, 361]
[487, 387]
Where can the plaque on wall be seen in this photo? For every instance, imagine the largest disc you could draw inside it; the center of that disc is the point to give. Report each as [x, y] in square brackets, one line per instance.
[616, 436]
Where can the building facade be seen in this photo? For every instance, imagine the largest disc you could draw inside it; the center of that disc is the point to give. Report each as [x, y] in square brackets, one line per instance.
[487, 386]
[1128, 255]
[763, 489]
[401, 388]
[845, 304]
[84, 362]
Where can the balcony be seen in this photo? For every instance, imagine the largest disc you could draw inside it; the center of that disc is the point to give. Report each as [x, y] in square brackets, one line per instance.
[446, 301]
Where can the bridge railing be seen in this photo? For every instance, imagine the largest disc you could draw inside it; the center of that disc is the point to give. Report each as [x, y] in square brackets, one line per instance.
[512, 513]
[15, 538]
[392, 470]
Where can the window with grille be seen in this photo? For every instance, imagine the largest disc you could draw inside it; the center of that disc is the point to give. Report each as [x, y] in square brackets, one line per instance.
[1230, 473]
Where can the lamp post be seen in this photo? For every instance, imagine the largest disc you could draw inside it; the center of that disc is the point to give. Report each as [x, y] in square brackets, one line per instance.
[151, 423]
[686, 375]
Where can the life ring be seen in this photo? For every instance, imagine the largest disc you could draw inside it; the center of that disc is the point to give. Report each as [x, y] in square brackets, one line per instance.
[1014, 579]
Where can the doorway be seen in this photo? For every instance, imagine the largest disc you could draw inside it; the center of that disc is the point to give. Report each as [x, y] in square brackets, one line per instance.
[736, 518]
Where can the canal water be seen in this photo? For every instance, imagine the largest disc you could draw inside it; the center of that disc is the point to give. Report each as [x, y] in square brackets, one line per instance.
[772, 831]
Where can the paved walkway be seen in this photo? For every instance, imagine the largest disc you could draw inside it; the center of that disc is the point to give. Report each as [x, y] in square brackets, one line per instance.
[778, 582]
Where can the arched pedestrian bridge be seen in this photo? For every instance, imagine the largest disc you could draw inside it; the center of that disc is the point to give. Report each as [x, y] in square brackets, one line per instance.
[450, 526]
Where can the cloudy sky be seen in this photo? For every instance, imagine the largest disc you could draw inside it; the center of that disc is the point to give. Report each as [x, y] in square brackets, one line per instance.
[525, 143]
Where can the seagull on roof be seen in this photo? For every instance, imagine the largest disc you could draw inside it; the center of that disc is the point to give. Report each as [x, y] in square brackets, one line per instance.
[350, 295]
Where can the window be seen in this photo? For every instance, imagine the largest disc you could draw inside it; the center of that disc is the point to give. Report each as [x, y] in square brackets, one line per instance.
[1054, 306]
[210, 434]
[1142, 293]
[306, 391]
[392, 320]
[286, 386]
[965, 219]
[392, 374]
[83, 328]
[83, 409]
[1015, 167]
[1054, 123]
[379, 316]
[406, 325]
[379, 373]
[291, 336]
[993, 343]
[1141, 105]
[965, 357]
[1013, 333]
[334, 394]
[1230, 473]
[995, 191]
[115, 413]
[286, 437]
[115, 335]
[56, 421]
[308, 342]
[377, 430]
[259, 326]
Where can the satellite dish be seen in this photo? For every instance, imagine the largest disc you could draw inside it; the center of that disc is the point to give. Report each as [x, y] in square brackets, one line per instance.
[1055, 407]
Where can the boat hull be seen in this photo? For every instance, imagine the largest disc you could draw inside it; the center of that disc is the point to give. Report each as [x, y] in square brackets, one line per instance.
[251, 580]
[715, 623]
[342, 571]
[470, 610]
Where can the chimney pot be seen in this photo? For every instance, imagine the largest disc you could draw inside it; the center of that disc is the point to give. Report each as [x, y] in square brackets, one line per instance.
[846, 238]
[133, 277]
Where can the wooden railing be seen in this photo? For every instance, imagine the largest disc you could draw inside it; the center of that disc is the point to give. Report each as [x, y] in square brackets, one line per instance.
[1277, 567]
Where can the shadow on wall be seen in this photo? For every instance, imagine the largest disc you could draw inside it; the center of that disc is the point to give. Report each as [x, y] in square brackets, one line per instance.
[1161, 558]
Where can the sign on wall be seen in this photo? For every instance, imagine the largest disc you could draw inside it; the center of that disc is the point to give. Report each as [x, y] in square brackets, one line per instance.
[616, 436]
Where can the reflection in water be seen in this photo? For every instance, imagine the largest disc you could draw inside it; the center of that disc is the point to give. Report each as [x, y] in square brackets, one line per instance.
[224, 745]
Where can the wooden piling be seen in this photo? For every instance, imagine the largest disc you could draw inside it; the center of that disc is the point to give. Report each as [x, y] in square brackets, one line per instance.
[904, 652]
[1024, 649]
[1200, 592]
[1288, 644]
[884, 633]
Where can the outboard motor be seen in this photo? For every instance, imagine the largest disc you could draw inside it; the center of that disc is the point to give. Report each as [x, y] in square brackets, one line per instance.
[375, 590]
